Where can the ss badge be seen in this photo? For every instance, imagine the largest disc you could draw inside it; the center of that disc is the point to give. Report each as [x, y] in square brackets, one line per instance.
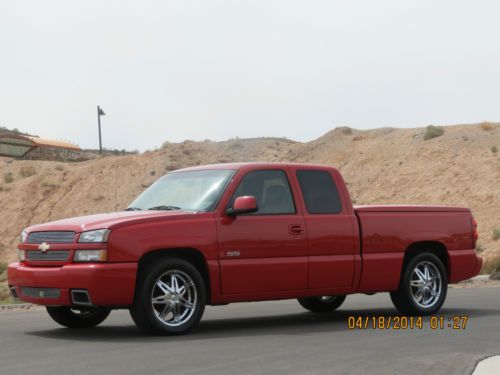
[233, 253]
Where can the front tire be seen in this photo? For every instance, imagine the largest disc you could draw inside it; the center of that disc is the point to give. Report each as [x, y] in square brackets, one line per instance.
[170, 298]
[78, 318]
[321, 304]
[423, 286]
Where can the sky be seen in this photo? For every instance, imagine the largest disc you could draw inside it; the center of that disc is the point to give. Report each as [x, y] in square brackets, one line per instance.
[175, 70]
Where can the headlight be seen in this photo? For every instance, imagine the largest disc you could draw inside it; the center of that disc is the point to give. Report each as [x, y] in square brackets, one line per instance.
[90, 256]
[21, 255]
[100, 235]
[23, 237]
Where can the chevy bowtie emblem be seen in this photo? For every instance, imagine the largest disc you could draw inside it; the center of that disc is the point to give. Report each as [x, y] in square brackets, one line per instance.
[43, 247]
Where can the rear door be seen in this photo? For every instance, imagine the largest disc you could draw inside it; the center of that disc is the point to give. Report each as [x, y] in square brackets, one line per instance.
[264, 251]
[332, 230]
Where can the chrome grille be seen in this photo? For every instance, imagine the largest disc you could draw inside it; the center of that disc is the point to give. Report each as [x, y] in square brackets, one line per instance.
[51, 237]
[53, 256]
[40, 292]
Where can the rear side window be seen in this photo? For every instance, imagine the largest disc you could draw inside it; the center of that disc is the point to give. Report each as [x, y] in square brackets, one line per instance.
[319, 192]
[271, 189]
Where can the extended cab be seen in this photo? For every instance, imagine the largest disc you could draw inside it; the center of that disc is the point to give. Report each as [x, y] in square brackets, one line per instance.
[228, 233]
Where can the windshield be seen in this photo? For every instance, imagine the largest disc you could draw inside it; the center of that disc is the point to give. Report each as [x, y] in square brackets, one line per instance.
[193, 190]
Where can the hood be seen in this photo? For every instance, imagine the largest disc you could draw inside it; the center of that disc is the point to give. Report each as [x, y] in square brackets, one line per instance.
[109, 220]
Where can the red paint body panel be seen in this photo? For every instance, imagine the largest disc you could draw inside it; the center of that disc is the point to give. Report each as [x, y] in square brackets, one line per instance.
[385, 236]
[257, 257]
[108, 284]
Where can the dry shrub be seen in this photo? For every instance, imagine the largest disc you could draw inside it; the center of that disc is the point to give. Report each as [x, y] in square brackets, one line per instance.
[486, 126]
[491, 265]
[479, 248]
[496, 234]
[5, 296]
[8, 177]
[49, 184]
[358, 138]
[346, 130]
[27, 171]
[172, 167]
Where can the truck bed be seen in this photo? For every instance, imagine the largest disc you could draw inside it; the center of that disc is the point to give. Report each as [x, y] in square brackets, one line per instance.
[387, 231]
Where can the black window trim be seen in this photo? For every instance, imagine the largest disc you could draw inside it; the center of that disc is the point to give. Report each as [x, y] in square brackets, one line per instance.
[341, 207]
[270, 214]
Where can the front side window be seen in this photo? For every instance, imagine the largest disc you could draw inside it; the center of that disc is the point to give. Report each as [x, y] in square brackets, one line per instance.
[191, 190]
[319, 192]
[271, 190]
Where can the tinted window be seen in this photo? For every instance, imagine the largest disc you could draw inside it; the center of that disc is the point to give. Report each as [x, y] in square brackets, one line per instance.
[270, 188]
[319, 191]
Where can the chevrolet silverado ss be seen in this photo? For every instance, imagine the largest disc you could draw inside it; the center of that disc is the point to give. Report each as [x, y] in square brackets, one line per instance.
[227, 233]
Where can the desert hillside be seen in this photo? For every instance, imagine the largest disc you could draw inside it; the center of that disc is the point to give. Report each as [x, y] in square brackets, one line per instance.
[384, 166]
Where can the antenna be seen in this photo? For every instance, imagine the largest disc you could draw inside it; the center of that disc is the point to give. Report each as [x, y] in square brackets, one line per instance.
[116, 187]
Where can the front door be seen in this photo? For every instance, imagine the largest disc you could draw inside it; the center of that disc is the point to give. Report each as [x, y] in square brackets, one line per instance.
[265, 251]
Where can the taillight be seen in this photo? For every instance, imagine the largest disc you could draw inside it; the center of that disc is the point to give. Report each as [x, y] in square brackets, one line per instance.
[475, 235]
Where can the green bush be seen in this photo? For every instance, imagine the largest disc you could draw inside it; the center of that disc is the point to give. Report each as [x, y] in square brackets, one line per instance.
[3, 272]
[433, 132]
[491, 265]
[494, 149]
[8, 178]
[59, 167]
[27, 171]
[5, 296]
[47, 183]
[479, 248]
[496, 234]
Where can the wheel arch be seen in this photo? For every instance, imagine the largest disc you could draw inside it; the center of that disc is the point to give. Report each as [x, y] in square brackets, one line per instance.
[434, 247]
[189, 254]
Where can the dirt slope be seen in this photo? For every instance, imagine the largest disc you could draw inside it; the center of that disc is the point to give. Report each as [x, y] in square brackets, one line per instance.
[385, 166]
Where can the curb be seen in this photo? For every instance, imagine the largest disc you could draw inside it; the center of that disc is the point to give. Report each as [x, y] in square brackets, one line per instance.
[488, 366]
[16, 306]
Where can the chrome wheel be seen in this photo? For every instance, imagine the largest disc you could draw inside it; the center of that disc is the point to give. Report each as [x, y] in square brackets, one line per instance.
[426, 284]
[174, 298]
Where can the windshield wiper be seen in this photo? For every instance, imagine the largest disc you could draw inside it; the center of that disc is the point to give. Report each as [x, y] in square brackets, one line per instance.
[133, 209]
[165, 208]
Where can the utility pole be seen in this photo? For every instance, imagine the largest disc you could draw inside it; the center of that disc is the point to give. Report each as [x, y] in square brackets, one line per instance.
[100, 113]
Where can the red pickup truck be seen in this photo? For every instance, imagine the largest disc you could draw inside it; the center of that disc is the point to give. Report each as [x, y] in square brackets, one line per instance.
[241, 232]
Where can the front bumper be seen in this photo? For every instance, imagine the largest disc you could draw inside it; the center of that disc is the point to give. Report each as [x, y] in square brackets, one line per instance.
[108, 284]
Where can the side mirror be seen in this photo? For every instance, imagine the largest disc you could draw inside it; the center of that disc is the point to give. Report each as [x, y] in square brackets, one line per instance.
[243, 205]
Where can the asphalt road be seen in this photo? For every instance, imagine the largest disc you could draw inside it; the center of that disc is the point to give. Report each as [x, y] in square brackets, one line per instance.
[259, 338]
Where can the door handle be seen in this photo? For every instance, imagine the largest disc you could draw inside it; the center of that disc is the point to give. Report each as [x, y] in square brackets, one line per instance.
[295, 229]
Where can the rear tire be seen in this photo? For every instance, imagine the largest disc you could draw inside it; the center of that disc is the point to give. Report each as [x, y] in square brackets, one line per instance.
[78, 318]
[170, 298]
[321, 304]
[423, 286]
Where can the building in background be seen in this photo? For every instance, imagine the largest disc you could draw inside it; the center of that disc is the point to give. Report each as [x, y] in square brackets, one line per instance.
[34, 148]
